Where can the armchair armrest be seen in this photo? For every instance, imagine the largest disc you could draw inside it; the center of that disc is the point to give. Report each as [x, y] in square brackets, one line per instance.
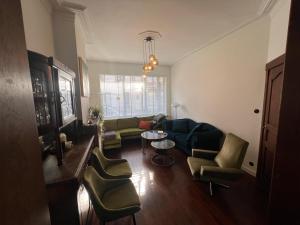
[191, 133]
[222, 173]
[157, 126]
[206, 154]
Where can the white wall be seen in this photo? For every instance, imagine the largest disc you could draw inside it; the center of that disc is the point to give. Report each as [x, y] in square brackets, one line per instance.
[38, 26]
[223, 83]
[278, 29]
[98, 67]
[80, 46]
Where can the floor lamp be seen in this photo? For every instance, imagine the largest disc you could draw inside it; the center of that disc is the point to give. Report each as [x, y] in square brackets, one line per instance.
[175, 106]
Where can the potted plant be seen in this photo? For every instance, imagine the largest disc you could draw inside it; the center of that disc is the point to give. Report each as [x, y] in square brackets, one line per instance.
[95, 113]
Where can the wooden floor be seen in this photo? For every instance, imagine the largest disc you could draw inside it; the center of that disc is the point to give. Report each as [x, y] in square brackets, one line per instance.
[169, 196]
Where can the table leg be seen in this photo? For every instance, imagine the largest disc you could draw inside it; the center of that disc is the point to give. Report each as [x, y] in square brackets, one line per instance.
[143, 145]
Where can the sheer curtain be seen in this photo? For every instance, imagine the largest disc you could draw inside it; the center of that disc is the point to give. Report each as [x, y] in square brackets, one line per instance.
[126, 96]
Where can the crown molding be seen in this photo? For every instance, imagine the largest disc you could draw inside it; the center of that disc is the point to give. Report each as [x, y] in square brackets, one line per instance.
[265, 7]
[47, 5]
[85, 24]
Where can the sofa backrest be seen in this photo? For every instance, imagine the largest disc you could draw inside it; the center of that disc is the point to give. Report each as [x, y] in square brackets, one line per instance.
[192, 124]
[132, 122]
[167, 124]
[110, 125]
[180, 126]
[232, 153]
[146, 118]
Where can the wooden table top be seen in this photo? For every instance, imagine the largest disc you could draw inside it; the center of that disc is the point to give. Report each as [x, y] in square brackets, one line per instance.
[73, 163]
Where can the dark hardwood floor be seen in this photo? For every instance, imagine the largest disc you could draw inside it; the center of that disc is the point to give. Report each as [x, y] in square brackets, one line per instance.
[169, 196]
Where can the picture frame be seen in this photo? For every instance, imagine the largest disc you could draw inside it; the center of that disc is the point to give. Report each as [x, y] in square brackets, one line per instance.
[84, 78]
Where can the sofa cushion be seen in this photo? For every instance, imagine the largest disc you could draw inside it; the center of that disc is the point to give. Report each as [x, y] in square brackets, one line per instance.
[145, 125]
[171, 135]
[110, 125]
[130, 132]
[109, 135]
[167, 125]
[127, 123]
[180, 125]
[181, 138]
[195, 164]
[116, 140]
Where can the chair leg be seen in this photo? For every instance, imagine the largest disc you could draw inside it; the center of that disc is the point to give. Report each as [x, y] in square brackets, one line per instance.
[222, 185]
[212, 184]
[133, 218]
[211, 188]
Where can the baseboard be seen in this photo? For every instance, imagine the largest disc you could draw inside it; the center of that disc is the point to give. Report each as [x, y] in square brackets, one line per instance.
[249, 171]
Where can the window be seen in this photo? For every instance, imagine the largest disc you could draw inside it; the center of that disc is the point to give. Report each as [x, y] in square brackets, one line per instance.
[126, 96]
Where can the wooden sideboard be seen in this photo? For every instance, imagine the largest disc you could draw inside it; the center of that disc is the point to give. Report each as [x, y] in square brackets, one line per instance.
[63, 182]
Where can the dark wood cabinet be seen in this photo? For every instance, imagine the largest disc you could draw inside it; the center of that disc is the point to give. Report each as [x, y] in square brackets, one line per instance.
[66, 195]
[54, 100]
[272, 103]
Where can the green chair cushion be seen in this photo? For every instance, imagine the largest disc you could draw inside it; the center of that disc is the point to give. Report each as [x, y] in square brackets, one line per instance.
[130, 132]
[107, 147]
[110, 125]
[128, 123]
[115, 141]
[196, 163]
[121, 196]
[120, 170]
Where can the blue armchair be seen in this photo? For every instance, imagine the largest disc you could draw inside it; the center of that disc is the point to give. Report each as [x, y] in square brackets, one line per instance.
[188, 134]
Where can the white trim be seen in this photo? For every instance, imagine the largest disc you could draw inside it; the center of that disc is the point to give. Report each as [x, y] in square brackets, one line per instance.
[264, 9]
[48, 5]
[221, 37]
[249, 170]
[266, 6]
[86, 26]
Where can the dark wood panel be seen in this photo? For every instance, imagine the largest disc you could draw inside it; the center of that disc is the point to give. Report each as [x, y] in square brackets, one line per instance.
[63, 182]
[269, 129]
[285, 187]
[22, 189]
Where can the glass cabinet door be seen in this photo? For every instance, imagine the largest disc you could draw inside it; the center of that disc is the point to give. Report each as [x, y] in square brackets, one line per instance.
[41, 100]
[65, 83]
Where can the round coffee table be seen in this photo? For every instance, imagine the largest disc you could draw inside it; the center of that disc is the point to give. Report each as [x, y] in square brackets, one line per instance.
[152, 135]
[162, 158]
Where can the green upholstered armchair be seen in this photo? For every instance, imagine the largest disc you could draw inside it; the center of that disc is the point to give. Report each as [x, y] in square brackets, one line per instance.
[216, 166]
[109, 168]
[112, 199]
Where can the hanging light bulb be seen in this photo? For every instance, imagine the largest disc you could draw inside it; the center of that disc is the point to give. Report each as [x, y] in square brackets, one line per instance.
[154, 62]
[152, 58]
[150, 67]
[145, 67]
[144, 76]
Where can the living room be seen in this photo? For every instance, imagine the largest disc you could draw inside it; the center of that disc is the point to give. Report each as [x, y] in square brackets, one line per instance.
[135, 106]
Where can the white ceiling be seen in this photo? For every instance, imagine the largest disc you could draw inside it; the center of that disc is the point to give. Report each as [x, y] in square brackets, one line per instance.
[185, 25]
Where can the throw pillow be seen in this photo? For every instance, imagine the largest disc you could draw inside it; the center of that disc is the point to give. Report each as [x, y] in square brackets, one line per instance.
[146, 125]
[180, 126]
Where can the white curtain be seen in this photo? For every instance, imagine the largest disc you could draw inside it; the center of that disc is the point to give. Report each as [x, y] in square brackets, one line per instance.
[126, 96]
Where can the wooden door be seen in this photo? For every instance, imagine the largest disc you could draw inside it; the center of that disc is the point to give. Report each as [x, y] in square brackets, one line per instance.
[273, 90]
[284, 205]
[22, 190]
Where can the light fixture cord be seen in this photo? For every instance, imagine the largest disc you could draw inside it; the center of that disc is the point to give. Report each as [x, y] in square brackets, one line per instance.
[144, 52]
